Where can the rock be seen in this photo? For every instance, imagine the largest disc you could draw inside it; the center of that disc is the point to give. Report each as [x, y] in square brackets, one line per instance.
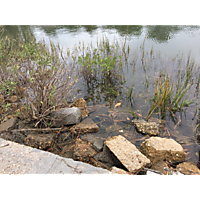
[188, 168]
[80, 103]
[98, 144]
[130, 157]
[86, 126]
[12, 99]
[160, 166]
[17, 137]
[156, 148]
[8, 124]
[66, 116]
[40, 141]
[106, 157]
[83, 151]
[150, 128]
[116, 170]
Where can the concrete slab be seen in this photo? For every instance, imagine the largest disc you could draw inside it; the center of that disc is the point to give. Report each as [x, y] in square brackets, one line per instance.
[127, 153]
[20, 159]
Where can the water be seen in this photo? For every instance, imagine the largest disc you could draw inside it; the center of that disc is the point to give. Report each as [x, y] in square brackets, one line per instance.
[168, 40]
[168, 43]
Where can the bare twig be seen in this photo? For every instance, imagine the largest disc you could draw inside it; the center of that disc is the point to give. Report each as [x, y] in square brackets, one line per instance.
[36, 129]
[4, 145]
[75, 168]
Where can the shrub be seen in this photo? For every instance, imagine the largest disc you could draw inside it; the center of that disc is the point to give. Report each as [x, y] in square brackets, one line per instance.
[42, 71]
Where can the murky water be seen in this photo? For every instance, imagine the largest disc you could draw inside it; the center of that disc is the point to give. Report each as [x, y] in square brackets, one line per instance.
[170, 45]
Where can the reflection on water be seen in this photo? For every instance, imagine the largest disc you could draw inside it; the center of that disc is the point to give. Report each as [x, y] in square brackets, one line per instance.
[168, 40]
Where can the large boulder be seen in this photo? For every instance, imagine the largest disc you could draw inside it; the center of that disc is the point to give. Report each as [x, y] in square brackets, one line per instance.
[156, 148]
[66, 116]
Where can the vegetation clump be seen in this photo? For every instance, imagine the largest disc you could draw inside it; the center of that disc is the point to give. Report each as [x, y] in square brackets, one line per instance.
[38, 74]
[102, 65]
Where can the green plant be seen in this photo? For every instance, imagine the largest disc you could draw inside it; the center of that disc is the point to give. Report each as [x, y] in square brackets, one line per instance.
[102, 64]
[46, 75]
[6, 106]
[8, 87]
[165, 100]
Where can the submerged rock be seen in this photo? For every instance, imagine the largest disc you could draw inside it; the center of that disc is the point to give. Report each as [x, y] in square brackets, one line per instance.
[156, 148]
[150, 128]
[86, 126]
[128, 155]
[66, 116]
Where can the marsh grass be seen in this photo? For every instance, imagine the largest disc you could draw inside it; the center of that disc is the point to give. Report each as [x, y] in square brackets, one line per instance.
[165, 100]
[102, 64]
[42, 71]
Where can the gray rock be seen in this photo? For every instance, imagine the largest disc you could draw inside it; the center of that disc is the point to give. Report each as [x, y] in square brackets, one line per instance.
[66, 116]
[98, 144]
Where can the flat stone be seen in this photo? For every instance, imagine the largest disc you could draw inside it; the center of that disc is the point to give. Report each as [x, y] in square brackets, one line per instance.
[20, 159]
[156, 148]
[8, 124]
[188, 168]
[127, 153]
[150, 128]
[66, 116]
[86, 126]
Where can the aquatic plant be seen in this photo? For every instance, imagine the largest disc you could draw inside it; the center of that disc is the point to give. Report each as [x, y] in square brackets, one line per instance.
[102, 66]
[164, 98]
